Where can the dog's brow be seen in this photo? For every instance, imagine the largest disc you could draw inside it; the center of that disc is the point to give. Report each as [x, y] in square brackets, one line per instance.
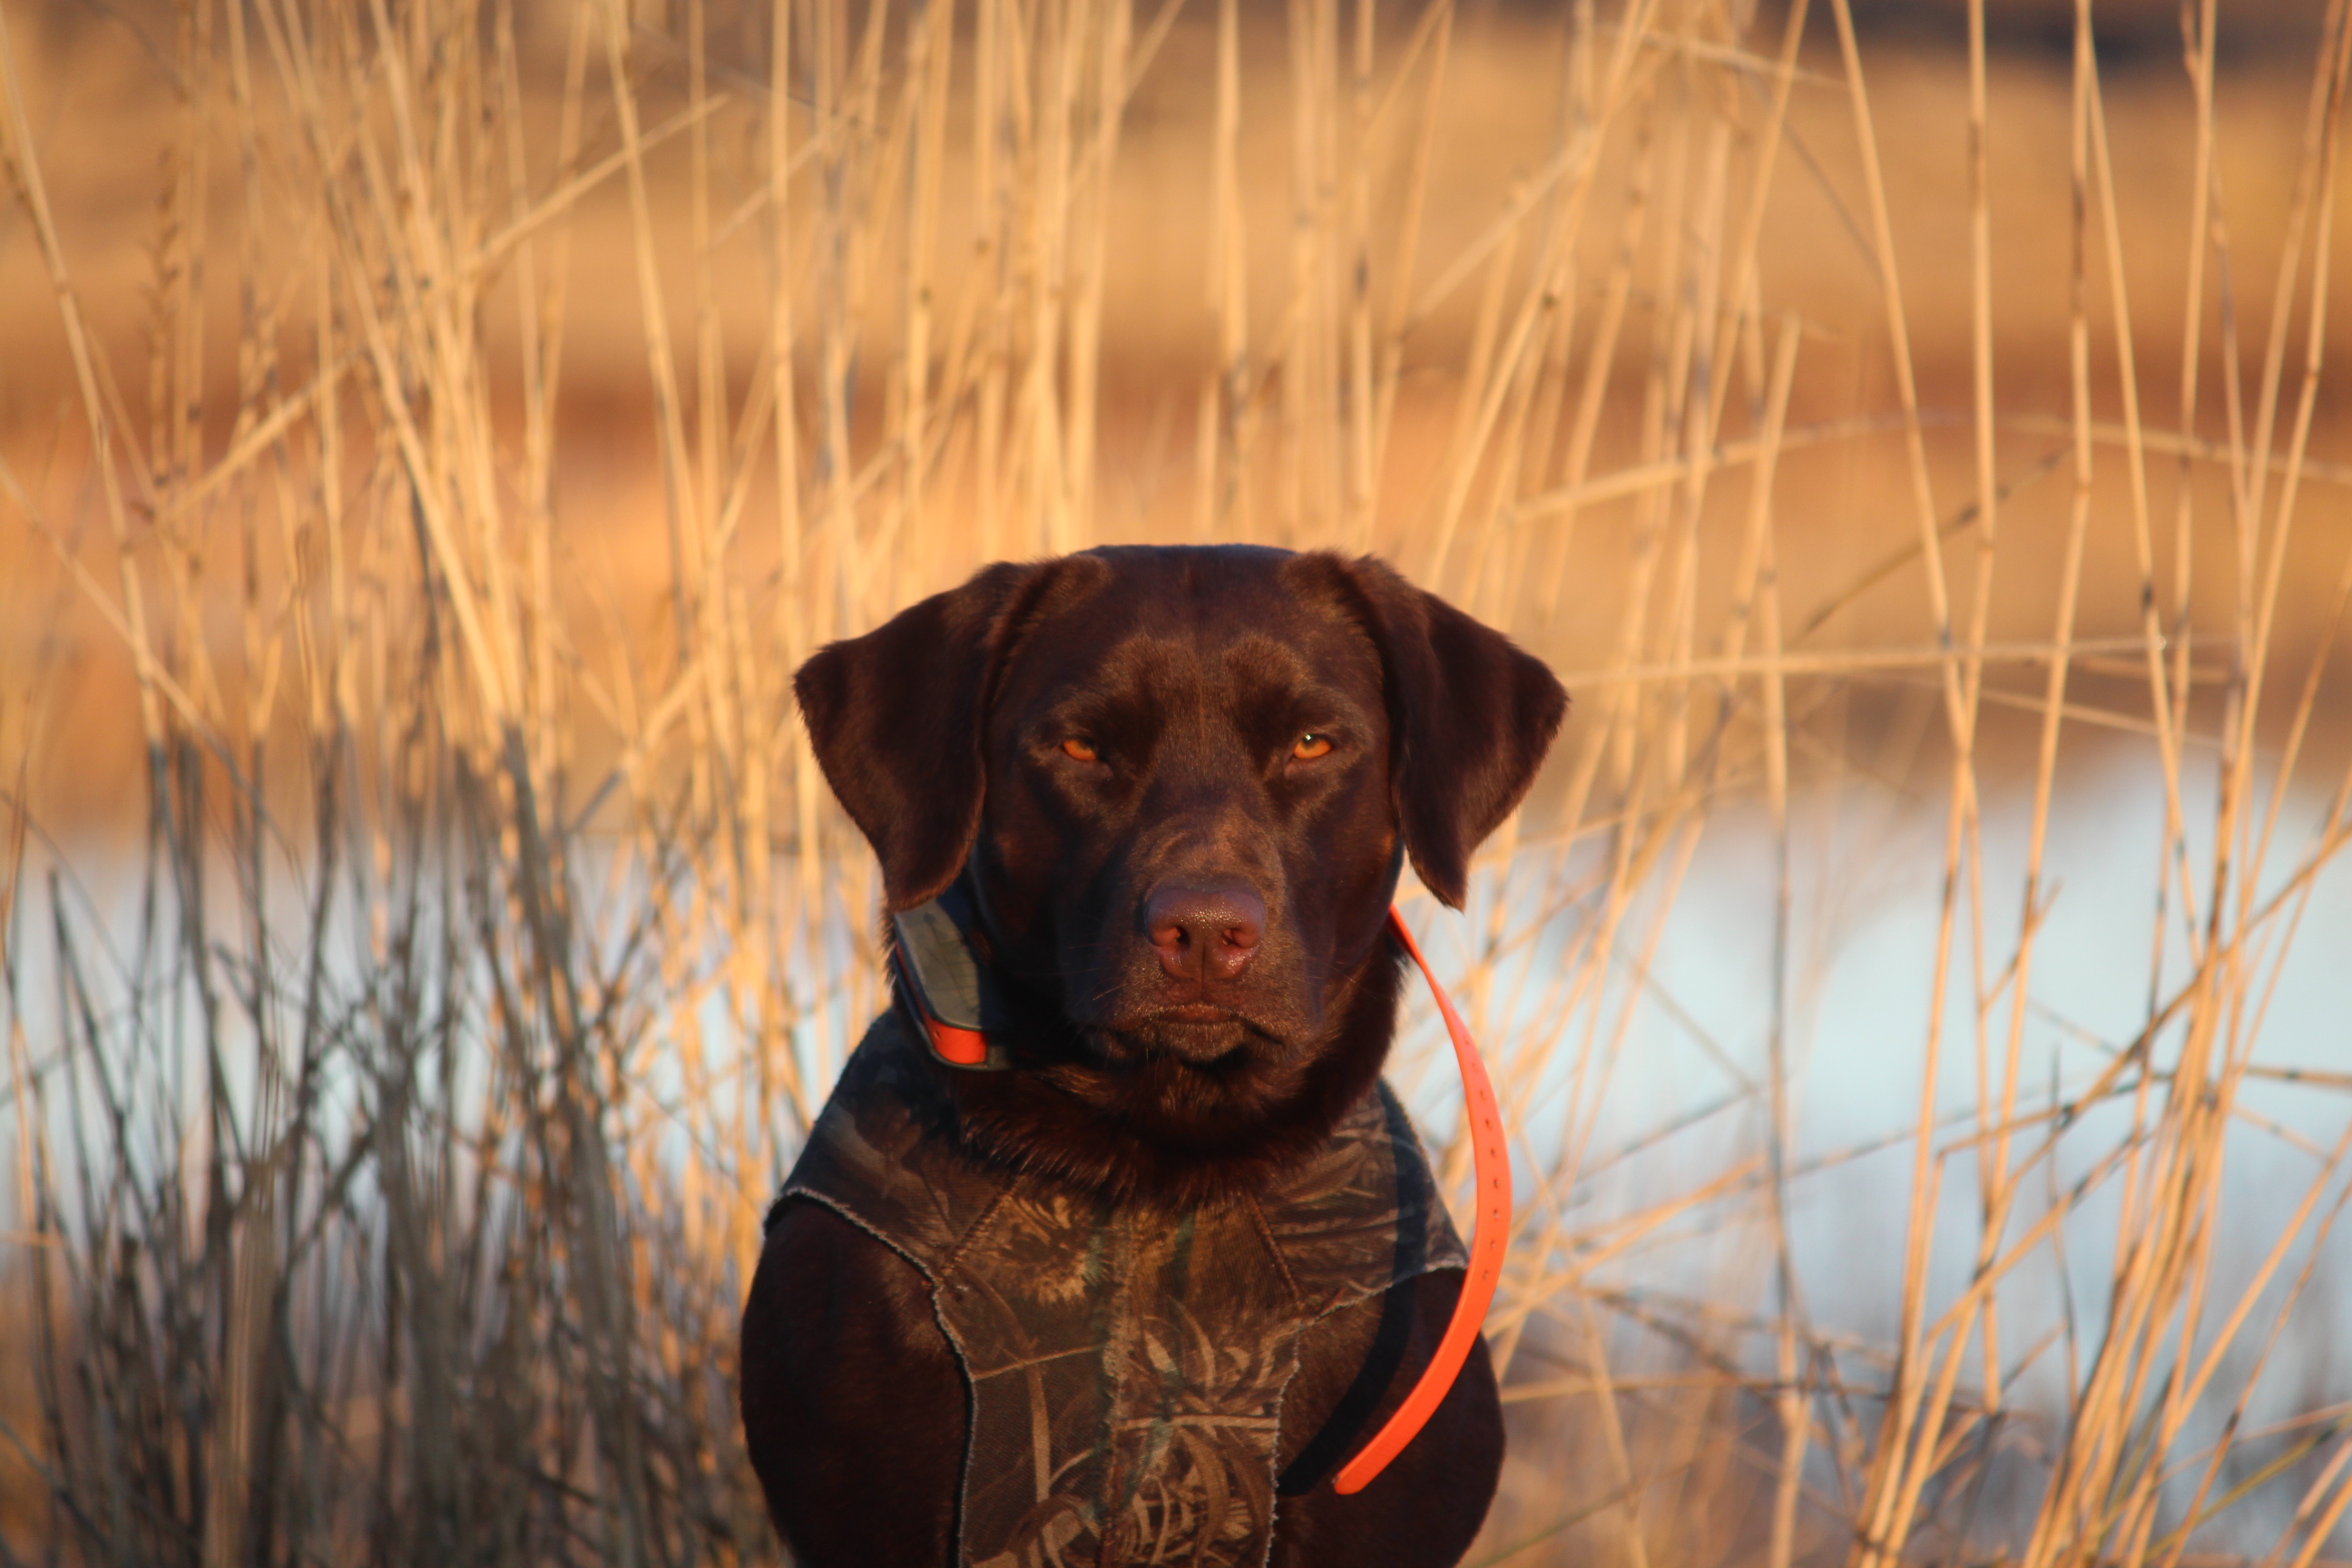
[1269, 672]
[1264, 663]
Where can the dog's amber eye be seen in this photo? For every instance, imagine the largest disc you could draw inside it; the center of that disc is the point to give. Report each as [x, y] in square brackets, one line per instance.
[1078, 751]
[1310, 747]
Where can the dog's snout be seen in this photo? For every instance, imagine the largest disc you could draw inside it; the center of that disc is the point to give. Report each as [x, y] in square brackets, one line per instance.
[1204, 933]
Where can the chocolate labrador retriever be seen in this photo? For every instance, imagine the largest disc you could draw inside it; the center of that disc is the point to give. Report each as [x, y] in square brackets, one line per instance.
[1133, 1297]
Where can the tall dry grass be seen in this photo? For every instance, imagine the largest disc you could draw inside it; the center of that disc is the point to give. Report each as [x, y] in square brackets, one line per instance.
[394, 1112]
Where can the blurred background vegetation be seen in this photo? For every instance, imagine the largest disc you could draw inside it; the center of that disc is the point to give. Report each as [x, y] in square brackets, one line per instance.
[430, 432]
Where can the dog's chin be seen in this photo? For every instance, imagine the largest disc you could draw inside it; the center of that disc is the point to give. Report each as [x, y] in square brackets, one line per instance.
[1200, 1035]
[1176, 1106]
[1196, 1081]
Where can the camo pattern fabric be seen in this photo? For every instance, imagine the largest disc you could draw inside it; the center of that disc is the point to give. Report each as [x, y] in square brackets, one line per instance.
[1126, 1366]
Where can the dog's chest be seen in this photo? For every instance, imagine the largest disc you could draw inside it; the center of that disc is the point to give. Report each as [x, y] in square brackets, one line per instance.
[1127, 1368]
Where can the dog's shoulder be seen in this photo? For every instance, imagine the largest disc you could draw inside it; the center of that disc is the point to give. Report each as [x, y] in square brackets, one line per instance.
[852, 1399]
[884, 1154]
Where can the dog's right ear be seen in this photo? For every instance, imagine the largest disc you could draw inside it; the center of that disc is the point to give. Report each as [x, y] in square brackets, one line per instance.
[896, 717]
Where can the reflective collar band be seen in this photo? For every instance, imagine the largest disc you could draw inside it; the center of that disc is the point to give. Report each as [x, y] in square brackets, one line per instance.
[1492, 1164]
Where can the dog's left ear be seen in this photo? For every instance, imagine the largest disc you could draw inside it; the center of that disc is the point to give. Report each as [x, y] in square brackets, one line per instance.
[1470, 717]
[895, 715]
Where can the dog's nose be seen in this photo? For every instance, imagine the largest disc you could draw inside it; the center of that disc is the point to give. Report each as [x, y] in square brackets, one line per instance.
[1204, 933]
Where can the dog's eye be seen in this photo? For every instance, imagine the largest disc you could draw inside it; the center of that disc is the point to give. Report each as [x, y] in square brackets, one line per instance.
[1311, 746]
[1078, 751]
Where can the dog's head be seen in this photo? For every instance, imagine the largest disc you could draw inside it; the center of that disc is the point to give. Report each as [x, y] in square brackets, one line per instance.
[1179, 781]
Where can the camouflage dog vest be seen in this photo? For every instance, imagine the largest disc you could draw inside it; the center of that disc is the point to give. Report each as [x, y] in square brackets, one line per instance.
[1126, 1367]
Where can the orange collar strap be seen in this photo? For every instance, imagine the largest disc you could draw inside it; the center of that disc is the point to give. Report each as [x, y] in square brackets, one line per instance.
[1493, 1164]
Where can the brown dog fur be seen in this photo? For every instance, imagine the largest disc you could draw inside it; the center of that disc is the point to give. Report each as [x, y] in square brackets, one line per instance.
[1185, 906]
